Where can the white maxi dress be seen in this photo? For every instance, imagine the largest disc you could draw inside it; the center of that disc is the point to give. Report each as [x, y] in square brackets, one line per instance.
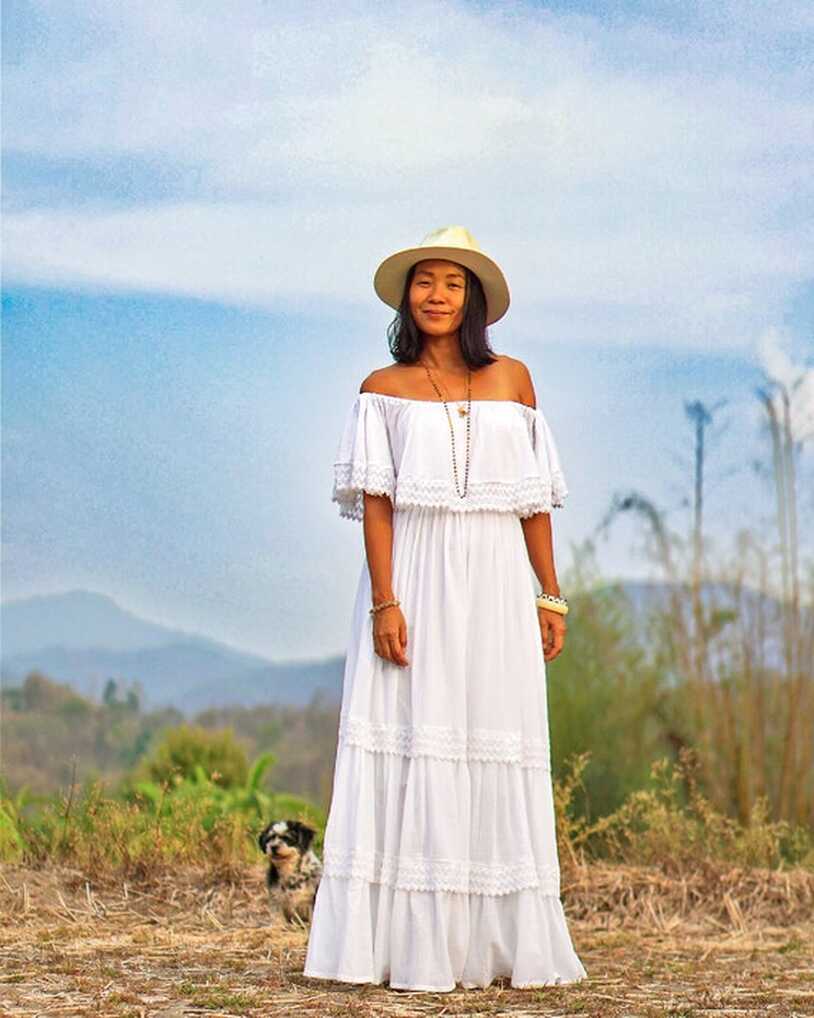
[440, 858]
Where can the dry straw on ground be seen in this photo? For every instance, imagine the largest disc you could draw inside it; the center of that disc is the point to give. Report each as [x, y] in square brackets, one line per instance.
[719, 942]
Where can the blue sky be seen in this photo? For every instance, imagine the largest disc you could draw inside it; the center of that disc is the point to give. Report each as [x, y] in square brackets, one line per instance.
[196, 197]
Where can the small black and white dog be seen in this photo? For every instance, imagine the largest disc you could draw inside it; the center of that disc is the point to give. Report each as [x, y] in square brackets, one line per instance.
[294, 868]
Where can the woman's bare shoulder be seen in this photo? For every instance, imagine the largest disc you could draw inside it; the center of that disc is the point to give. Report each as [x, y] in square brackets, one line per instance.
[387, 381]
[509, 377]
[521, 379]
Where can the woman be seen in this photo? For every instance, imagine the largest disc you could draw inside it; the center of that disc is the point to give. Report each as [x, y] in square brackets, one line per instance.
[440, 857]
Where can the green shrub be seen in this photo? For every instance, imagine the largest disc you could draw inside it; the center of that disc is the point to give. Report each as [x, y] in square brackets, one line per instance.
[149, 826]
[184, 748]
[11, 840]
[655, 826]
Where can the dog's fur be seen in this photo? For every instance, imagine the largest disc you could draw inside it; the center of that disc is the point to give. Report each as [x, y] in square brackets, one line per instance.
[294, 868]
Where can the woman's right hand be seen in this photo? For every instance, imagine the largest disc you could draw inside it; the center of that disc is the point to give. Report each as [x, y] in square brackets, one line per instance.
[390, 634]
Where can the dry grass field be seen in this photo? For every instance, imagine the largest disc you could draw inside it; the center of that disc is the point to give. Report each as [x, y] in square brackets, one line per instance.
[721, 942]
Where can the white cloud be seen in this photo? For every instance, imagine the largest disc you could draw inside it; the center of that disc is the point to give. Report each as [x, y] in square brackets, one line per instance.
[796, 379]
[629, 164]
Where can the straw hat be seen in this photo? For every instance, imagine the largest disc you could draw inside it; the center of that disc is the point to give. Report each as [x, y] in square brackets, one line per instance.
[456, 244]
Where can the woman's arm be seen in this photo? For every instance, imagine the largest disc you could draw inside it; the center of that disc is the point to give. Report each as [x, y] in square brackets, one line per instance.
[389, 625]
[378, 531]
[540, 544]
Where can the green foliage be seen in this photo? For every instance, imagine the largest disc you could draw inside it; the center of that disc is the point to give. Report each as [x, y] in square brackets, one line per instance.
[185, 749]
[212, 799]
[198, 822]
[604, 697]
[110, 697]
[39, 693]
[53, 738]
[47, 726]
[75, 710]
[672, 825]
[12, 844]
[147, 826]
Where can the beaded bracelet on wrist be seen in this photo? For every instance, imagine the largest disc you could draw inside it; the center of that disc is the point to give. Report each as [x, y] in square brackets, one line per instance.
[552, 602]
[383, 604]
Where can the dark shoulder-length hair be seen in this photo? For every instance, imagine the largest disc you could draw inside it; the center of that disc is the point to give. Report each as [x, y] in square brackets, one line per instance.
[406, 342]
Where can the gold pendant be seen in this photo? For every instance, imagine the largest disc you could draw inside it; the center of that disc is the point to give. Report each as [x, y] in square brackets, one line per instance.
[462, 411]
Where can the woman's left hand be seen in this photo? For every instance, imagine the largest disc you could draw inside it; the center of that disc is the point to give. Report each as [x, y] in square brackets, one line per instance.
[552, 629]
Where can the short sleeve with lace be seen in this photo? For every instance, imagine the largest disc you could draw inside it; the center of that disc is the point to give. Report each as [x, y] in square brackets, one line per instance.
[547, 457]
[363, 461]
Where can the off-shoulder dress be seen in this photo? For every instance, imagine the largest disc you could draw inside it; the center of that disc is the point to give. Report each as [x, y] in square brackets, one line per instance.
[440, 854]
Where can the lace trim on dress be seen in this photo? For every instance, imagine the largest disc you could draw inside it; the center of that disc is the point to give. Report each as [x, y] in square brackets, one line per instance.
[351, 480]
[422, 873]
[524, 496]
[445, 742]
[559, 489]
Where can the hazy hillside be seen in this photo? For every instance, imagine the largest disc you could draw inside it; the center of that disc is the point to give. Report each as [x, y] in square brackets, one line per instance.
[82, 639]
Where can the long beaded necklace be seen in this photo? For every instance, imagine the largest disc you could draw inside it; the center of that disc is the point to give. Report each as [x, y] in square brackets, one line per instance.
[463, 412]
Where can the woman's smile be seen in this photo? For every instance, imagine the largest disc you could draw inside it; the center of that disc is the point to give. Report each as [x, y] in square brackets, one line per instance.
[443, 284]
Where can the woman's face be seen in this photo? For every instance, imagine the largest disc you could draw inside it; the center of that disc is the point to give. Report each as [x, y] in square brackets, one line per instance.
[437, 295]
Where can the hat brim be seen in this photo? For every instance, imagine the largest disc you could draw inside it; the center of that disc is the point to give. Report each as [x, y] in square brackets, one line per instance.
[389, 279]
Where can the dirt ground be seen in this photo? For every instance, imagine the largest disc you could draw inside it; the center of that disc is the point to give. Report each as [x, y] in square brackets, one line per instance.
[177, 947]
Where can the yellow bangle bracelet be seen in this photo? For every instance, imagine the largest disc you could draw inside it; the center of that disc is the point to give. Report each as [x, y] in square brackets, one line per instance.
[551, 602]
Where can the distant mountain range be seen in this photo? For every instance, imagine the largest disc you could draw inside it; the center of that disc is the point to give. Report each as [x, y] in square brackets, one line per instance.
[83, 639]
